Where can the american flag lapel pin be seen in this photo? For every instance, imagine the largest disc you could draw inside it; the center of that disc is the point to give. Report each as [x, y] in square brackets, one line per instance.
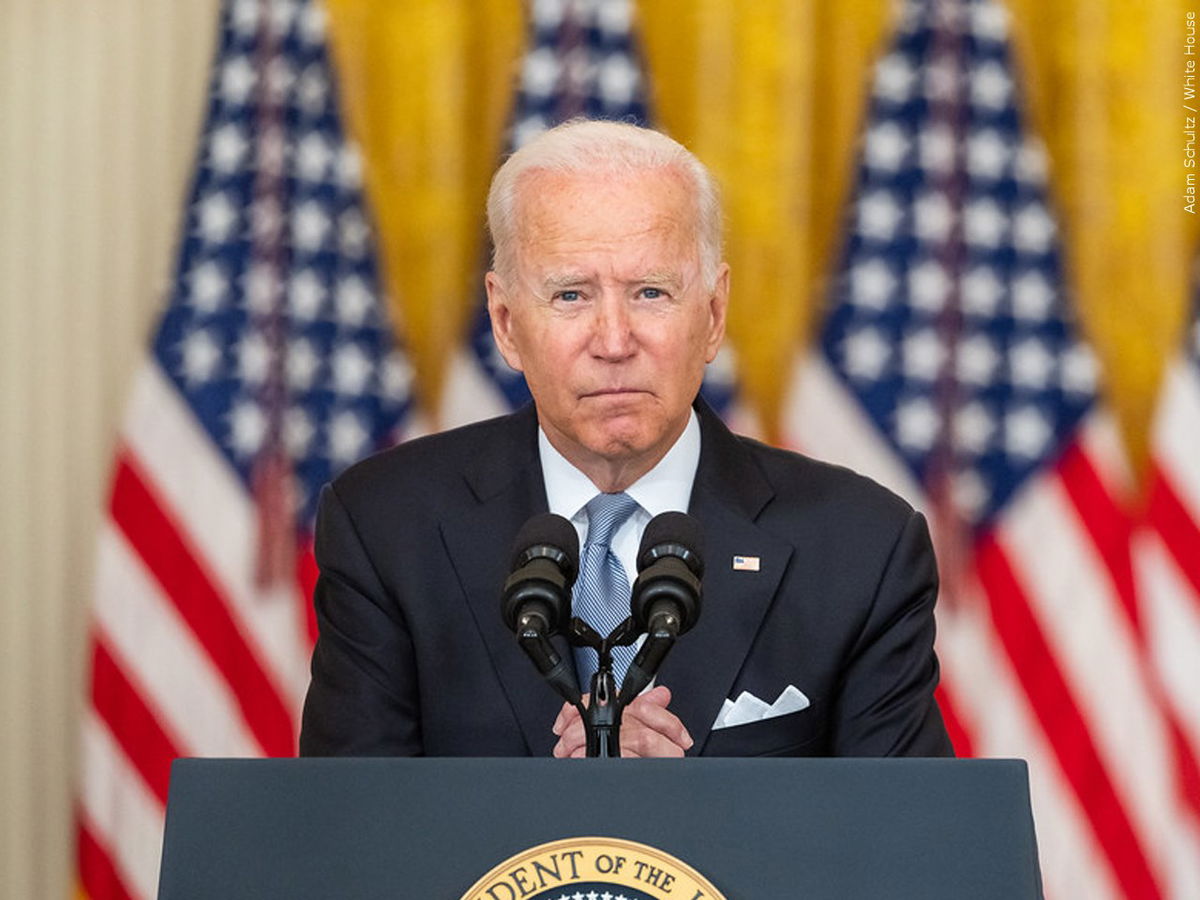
[746, 563]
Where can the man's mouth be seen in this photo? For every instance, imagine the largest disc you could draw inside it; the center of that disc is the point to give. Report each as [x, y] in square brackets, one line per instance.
[613, 392]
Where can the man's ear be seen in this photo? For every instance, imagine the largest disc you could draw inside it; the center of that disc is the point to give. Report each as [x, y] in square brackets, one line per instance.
[500, 311]
[718, 303]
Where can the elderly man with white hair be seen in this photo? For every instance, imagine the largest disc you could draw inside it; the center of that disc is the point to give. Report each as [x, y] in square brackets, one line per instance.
[609, 293]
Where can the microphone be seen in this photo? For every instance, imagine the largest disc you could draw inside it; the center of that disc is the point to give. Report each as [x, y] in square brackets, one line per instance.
[536, 600]
[545, 560]
[666, 594]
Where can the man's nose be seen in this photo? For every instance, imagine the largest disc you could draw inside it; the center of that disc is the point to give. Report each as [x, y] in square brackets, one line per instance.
[612, 328]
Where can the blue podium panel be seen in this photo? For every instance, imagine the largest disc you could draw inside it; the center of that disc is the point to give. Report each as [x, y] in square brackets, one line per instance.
[802, 829]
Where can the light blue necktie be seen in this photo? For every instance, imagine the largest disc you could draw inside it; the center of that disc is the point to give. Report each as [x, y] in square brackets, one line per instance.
[601, 596]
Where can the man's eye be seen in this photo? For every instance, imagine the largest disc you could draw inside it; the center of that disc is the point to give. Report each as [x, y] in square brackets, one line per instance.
[652, 293]
[568, 296]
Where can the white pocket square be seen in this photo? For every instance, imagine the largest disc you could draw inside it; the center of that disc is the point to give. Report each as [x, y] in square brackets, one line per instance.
[748, 708]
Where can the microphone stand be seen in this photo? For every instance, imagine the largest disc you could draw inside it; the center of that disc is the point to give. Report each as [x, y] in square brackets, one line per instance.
[602, 716]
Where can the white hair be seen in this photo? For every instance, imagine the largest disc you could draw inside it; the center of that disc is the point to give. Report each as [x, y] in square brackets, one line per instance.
[582, 147]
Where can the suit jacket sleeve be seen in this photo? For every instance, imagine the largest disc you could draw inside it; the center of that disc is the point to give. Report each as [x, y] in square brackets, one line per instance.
[363, 698]
[886, 706]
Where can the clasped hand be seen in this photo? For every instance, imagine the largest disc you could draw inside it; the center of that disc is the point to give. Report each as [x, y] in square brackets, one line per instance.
[648, 728]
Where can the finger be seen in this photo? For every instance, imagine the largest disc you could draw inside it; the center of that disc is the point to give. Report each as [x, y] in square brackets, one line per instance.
[566, 715]
[573, 737]
[659, 695]
[659, 720]
[640, 741]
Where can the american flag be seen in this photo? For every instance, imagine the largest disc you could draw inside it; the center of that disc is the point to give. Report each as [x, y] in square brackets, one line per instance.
[1168, 546]
[950, 367]
[582, 59]
[272, 369]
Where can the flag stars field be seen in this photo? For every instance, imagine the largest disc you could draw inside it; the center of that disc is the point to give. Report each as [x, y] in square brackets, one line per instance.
[1080, 370]
[253, 358]
[352, 369]
[929, 286]
[974, 428]
[354, 235]
[247, 428]
[936, 150]
[985, 223]
[1033, 229]
[879, 216]
[313, 158]
[260, 288]
[238, 80]
[934, 216]
[982, 292]
[1027, 433]
[924, 355]
[354, 301]
[348, 175]
[917, 423]
[991, 88]
[306, 295]
[312, 91]
[988, 154]
[619, 80]
[302, 364]
[978, 360]
[1032, 296]
[201, 357]
[208, 287]
[896, 78]
[347, 437]
[1031, 364]
[887, 146]
[228, 148]
[217, 217]
[872, 283]
[266, 220]
[310, 227]
[867, 353]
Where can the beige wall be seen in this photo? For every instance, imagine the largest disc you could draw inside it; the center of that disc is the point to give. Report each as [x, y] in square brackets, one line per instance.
[100, 104]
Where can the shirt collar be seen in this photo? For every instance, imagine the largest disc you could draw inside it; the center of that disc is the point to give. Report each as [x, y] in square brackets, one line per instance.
[666, 487]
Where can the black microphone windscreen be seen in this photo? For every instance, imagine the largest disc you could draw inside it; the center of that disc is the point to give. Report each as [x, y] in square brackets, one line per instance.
[550, 530]
[671, 528]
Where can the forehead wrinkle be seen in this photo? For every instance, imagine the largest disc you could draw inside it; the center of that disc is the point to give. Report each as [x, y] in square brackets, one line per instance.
[566, 279]
[659, 276]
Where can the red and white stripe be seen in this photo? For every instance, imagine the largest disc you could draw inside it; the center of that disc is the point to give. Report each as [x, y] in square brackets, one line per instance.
[1168, 556]
[1044, 656]
[189, 656]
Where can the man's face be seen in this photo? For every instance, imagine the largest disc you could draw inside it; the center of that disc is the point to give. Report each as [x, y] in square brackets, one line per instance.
[607, 314]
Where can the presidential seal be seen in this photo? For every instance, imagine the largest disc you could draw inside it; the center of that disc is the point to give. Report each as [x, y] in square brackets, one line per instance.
[592, 868]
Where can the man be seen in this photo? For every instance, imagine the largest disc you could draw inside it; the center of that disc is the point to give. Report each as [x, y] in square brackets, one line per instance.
[608, 293]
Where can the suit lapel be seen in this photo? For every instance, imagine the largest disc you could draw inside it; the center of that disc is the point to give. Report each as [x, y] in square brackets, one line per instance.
[506, 480]
[729, 492]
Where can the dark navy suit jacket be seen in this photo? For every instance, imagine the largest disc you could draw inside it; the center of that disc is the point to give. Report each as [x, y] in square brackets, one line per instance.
[413, 658]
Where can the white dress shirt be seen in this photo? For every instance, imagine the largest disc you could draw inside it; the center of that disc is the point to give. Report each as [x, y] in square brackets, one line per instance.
[666, 487]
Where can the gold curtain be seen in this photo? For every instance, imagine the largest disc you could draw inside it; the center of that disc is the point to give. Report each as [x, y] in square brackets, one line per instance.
[771, 95]
[1105, 83]
[426, 87]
